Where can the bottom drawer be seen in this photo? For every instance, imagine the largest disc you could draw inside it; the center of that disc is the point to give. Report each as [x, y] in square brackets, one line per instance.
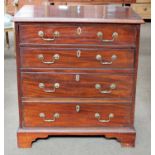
[75, 115]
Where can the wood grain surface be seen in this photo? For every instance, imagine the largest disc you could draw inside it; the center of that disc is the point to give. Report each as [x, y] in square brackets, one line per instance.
[68, 34]
[77, 74]
[69, 116]
[69, 87]
[78, 14]
[76, 58]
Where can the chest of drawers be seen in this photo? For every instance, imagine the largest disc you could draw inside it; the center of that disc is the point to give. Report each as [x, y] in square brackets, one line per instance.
[76, 71]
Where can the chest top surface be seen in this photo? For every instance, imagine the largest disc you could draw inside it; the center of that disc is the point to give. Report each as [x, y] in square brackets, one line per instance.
[101, 2]
[82, 14]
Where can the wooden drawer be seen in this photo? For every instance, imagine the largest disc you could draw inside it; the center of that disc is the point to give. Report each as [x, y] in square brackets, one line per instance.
[77, 85]
[75, 115]
[84, 34]
[144, 10]
[76, 58]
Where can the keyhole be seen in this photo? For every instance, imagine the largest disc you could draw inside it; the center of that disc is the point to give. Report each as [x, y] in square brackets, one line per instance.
[77, 77]
[78, 53]
[79, 30]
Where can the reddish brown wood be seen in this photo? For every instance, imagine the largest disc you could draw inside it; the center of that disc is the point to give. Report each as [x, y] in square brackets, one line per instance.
[125, 135]
[69, 87]
[90, 2]
[69, 58]
[10, 7]
[25, 139]
[70, 117]
[68, 34]
[31, 71]
[126, 140]
[136, 68]
[18, 73]
[78, 14]
[72, 100]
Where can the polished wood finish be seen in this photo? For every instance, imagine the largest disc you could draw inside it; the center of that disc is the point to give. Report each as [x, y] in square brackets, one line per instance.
[70, 117]
[72, 100]
[69, 35]
[21, 3]
[77, 99]
[124, 135]
[69, 87]
[89, 2]
[76, 58]
[78, 14]
[66, 2]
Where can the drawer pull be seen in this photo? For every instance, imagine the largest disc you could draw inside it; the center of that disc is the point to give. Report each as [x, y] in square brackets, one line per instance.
[54, 58]
[98, 117]
[112, 86]
[55, 116]
[101, 59]
[55, 86]
[41, 34]
[100, 36]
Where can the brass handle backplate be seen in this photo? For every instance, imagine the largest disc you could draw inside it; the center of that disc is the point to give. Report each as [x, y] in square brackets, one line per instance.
[55, 116]
[112, 87]
[47, 90]
[100, 36]
[54, 58]
[55, 34]
[98, 117]
[103, 62]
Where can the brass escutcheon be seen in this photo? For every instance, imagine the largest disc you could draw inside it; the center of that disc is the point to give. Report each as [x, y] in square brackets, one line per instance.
[77, 108]
[78, 53]
[77, 77]
[79, 31]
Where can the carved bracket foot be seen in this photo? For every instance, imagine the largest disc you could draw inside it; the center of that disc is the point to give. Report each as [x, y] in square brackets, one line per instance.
[25, 139]
[126, 136]
[126, 139]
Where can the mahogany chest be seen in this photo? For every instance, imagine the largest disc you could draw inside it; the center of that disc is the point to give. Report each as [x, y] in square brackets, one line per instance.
[76, 70]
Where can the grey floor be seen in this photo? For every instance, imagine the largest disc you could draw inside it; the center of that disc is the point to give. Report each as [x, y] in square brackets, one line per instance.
[81, 145]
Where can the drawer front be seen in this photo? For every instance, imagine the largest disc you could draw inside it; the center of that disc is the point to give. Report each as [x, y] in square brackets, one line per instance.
[76, 85]
[144, 10]
[76, 58]
[75, 115]
[98, 34]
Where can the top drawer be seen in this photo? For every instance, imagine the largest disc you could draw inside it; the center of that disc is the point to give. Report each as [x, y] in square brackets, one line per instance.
[94, 34]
